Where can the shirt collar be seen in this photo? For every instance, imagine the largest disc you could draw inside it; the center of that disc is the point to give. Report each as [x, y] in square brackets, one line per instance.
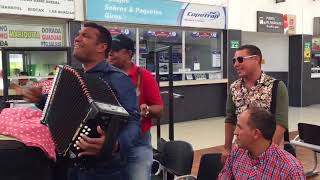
[265, 155]
[133, 71]
[261, 80]
[100, 67]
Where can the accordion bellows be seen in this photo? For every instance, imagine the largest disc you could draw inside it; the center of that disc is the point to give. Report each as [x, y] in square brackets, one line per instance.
[77, 103]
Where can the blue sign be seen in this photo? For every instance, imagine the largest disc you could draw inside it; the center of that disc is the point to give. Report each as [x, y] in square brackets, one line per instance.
[156, 12]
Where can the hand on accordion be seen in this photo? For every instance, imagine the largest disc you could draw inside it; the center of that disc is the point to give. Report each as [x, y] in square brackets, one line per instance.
[32, 94]
[91, 146]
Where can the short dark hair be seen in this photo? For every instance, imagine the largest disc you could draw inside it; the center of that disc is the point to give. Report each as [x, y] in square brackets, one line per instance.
[104, 35]
[252, 50]
[23, 73]
[263, 120]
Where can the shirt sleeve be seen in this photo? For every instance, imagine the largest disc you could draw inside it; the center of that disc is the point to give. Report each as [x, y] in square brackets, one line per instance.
[127, 97]
[297, 174]
[151, 90]
[42, 101]
[282, 105]
[230, 110]
[226, 172]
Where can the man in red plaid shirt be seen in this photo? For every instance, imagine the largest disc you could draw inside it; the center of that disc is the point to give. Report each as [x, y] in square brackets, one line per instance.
[255, 156]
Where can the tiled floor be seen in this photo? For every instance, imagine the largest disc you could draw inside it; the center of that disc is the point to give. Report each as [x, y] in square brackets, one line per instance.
[207, 135]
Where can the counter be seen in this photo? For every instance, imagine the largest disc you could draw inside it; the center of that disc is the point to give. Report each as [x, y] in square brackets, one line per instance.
[194, 82]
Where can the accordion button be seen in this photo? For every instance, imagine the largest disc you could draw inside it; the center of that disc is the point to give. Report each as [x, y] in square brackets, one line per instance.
[83, 130]
[74, 145]
[78, 148]
[86, 127]
[89, 129]
[86, 133]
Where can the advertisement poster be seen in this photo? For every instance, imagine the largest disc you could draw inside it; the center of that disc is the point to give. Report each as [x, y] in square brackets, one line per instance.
[31, 36]
[307, 51]
[158, 12]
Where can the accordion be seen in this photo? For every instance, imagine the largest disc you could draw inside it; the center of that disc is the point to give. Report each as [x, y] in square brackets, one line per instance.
[78, 103]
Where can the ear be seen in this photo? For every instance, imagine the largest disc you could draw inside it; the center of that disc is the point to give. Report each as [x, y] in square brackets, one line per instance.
[130, 53]
[257, 134]
[102, 47]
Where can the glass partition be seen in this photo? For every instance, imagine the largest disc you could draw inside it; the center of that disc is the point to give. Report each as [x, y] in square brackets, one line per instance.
[26, 67]
[203, 55]
[154, 45]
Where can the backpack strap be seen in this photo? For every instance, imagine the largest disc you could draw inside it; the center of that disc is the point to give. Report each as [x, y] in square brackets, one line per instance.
[138, 82]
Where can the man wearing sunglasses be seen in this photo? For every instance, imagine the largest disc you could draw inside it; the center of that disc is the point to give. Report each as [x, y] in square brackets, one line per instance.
[254, 89]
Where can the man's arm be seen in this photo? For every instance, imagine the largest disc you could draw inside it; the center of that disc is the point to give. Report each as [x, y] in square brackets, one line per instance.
[153, 106]
[127, 97]
[129, 133]
[226, 172]
[281, 113]
[154, 111]
[230, 122]
[297, 173]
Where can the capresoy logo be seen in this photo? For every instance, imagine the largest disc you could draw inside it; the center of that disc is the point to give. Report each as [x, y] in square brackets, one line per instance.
[210, 14]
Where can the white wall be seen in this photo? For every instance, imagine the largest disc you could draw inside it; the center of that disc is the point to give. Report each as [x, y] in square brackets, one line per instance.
[211, 2]
[242, 14]
[274, 49]
[79, 10]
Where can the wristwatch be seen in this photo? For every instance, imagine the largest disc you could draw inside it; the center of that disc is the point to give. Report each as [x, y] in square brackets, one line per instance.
[148, 111]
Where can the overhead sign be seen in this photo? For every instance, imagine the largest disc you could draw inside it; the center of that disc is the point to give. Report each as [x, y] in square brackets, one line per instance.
[31, 36]
[44, 8]
[269, 22]
[157, 12]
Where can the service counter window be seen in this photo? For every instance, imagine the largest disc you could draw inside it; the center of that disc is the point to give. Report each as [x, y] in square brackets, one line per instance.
[203, 55]
[154, 45]
[26, 68]
[130, 32]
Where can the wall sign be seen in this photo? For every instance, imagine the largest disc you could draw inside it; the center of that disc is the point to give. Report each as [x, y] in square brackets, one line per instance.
[31, 36]
[307, 51]
[204, 35]
[157, 12]
[45, 8]
[234, 44]
[269, 22]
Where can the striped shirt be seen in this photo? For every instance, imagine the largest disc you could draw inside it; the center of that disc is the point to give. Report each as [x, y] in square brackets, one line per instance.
[274, 163]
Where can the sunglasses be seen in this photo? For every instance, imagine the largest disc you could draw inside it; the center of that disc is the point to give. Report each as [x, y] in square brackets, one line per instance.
[240, 59]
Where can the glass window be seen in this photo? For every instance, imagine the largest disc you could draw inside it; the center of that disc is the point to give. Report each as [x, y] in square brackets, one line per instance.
[154, 45]
[29, 67]
[203, 55]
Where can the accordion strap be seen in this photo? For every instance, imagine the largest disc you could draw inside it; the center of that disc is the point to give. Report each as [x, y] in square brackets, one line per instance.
[138, 82]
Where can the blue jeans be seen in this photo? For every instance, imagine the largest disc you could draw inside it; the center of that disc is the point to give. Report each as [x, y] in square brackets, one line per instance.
[140, 159]
[100, 172]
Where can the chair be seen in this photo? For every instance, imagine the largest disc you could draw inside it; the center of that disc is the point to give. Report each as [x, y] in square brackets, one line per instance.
[309, 138]
[209, 169]
[176, 159]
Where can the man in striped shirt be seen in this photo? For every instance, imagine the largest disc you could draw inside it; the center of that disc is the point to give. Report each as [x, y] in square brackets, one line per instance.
[255, 156]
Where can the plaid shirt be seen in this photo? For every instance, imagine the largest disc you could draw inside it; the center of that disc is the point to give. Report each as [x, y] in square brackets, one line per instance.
[273, 164]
